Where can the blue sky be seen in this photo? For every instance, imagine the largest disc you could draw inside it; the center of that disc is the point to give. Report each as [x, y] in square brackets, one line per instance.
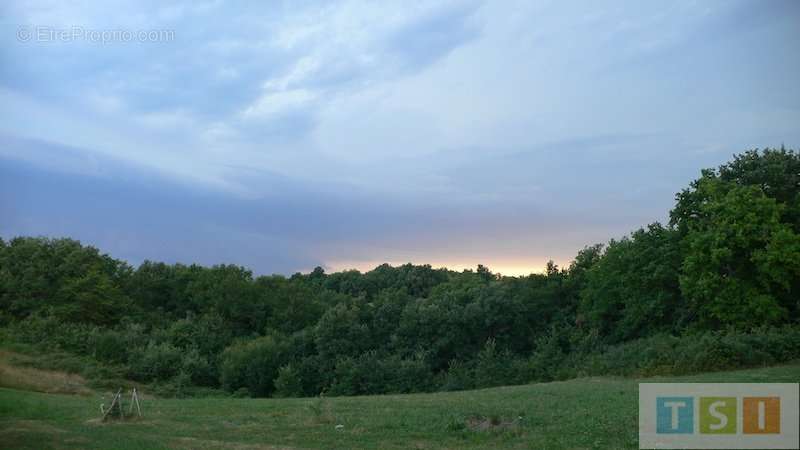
[282, 136]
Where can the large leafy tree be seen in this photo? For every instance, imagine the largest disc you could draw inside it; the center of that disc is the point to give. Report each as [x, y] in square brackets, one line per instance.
[230, 291]
[739, 226]
[633, 291]
[292, 304]
[161, 288]
[742, 262]
[92, 298]
[61, 275]
[775, 172]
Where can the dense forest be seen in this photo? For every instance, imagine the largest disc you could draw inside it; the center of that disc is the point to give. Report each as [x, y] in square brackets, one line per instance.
[715, 288]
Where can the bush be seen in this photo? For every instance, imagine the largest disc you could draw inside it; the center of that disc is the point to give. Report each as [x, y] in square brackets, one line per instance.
[199, 370]
[207, 333]
[370, 373]
[315, 373]
[493, 367]
[116, 345]
[109, 346]
[359, 376]
[155, 362]
[410, 374]
[253, 365]
[288, 382]
[458, 377]
[546, 362]
[49, 331]
[178, 386]
[692, 353]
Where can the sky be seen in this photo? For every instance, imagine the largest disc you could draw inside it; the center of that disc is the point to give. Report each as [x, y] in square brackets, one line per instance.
[287, 135]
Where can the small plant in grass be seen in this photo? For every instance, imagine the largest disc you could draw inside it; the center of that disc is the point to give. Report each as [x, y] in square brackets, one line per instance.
[456, 424]
[320, 408]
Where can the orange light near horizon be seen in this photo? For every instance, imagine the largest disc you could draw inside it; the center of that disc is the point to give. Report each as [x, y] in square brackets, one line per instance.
[509, 269]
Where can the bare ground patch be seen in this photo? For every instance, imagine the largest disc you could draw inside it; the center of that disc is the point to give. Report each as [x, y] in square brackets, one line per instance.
[483, 423]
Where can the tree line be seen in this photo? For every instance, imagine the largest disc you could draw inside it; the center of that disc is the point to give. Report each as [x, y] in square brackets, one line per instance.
[716, 287]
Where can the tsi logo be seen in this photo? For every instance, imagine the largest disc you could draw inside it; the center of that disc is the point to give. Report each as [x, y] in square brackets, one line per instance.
[761, 415]
[718, 415]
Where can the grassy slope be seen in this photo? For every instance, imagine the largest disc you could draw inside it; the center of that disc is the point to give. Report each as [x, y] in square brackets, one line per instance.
[14, 374]
[583, 413]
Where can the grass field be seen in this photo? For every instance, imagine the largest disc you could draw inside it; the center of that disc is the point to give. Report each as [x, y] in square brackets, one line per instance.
[577, 414]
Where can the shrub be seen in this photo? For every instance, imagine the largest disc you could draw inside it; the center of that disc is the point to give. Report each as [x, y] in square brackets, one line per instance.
[288, 382]
[691, 353]
[155, 362]
[545, 364]
[371, 373]
[199, 370]
[49, 331]
[358, 376]
[253, 365]
[109, 346]
[115, 346]
[493, 367]
[458, 377]
[410, 374]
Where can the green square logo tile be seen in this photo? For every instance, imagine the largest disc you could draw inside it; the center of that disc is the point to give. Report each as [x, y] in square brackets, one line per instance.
[717, 415]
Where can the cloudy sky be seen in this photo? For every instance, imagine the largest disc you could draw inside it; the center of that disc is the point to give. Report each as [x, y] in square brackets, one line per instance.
[282, 136]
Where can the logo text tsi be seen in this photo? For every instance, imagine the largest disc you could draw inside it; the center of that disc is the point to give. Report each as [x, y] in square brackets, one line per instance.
[718, 415]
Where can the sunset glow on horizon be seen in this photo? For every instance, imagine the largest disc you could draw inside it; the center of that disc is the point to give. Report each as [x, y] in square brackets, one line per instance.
[507, 269]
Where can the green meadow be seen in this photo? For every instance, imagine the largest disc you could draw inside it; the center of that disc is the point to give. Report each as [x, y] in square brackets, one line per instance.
[585, 413]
